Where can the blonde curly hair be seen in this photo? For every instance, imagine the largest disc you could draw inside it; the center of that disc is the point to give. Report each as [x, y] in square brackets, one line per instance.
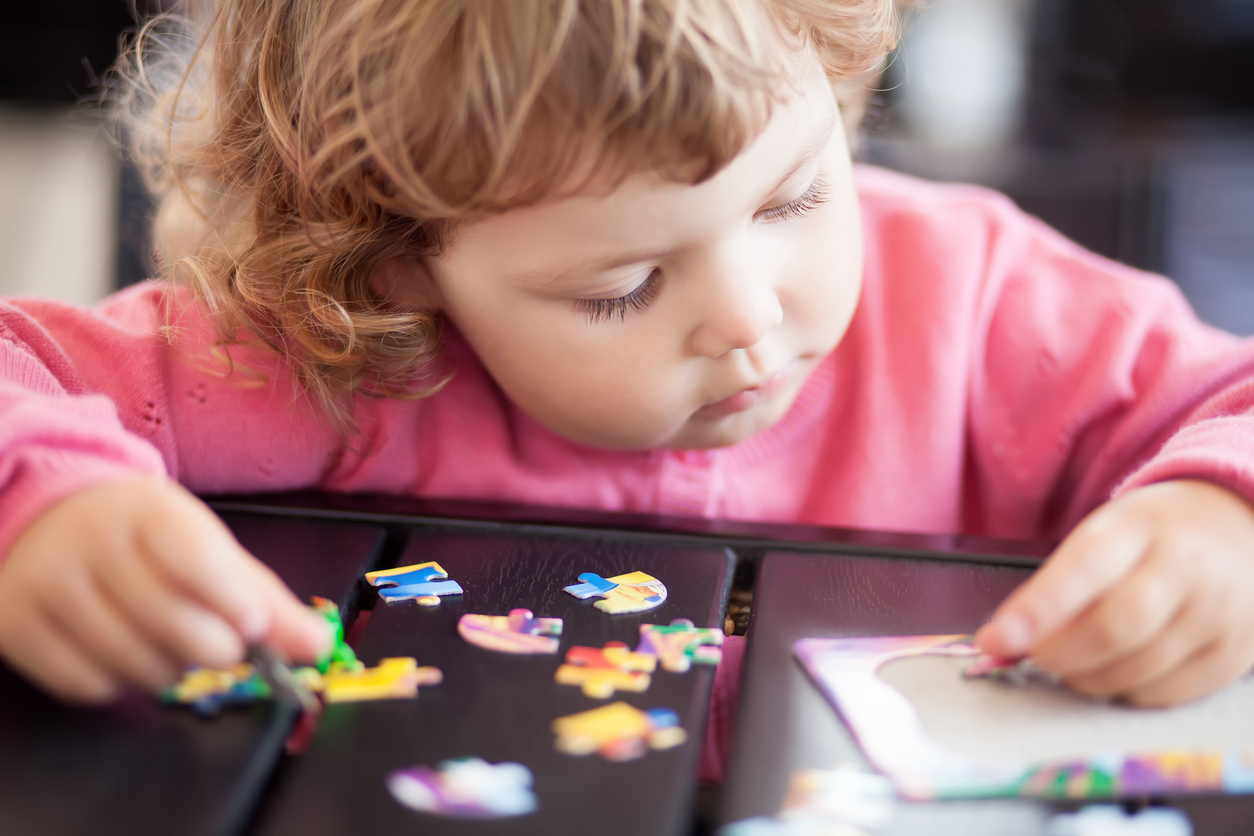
[294, 146]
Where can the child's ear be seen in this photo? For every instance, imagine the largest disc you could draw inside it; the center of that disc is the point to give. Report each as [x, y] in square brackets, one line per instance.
[406, 282]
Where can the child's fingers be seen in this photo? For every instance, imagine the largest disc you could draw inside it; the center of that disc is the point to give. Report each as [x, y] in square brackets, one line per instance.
[198, 555]
[189, 634]
[1127, 618]
[53, 662]
[1095, 557]
[1190, 630]
[296, 631]
[86, 615]
[1211, 667]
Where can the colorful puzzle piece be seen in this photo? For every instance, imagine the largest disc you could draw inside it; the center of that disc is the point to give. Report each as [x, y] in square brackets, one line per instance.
[207, 691]
[405, 583]
[519, 632]
[602, 671]
[339, 677]
[395, 678]
[592, 584]
[632, 592]
[681, 644]
[618, 732]
[1011, 671]
[339, 653]
[466, 788]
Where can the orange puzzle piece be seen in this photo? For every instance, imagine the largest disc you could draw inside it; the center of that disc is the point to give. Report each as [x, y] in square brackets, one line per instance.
[602, 671]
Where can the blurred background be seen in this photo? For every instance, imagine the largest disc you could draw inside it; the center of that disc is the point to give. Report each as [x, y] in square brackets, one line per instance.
[1127, 124]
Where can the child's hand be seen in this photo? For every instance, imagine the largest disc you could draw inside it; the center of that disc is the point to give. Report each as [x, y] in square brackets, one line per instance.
[129, 583]
[1150, 599]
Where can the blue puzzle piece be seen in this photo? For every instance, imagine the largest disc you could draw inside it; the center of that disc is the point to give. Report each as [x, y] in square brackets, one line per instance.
[419, 575]
[418, 590]
[593, 584]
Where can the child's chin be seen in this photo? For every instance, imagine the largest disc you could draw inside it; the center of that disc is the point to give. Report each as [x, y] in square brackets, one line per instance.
[704, 434]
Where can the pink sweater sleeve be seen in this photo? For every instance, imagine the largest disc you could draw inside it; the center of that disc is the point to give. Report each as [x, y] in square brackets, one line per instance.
[56, 436]
[89, 396]
[1092, 379]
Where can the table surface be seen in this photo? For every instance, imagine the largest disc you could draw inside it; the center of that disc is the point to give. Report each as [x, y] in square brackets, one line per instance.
[500, 707]
[140, 768]
[784, 723]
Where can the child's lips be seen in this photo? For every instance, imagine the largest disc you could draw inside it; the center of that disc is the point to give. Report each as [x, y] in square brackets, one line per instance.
[750, 397]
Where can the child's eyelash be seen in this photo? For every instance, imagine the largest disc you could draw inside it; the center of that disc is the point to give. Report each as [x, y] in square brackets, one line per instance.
[814, 197]
[601, 310]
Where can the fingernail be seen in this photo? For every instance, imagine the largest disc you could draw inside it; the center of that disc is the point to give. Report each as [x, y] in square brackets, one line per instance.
[1015, 632]
[255, 626]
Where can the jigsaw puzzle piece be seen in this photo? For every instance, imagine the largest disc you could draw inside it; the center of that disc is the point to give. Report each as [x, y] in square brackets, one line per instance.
[417, 582]
[618, 731]
[413, 591]
[634, 592]
[1018, 672]
[613, 655]
[680, 644]
[393, 678]
[406, 575]
[525, 621]
[207, 691]
[340, 653]
[628, 593]
[601, 683]
[592, 585]
[519, 632]
[601, 671]
[466, 788]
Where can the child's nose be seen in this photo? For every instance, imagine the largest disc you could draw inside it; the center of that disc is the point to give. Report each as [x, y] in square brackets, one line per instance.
[740, 309]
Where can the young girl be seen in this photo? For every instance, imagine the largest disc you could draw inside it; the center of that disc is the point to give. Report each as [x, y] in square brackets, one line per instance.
[608, 254]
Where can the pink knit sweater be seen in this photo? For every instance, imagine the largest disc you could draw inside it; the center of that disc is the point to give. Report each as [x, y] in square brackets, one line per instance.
[996, 379]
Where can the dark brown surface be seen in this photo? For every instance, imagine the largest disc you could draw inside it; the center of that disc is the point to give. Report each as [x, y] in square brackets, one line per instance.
[509, 518]
[499, 707]
[140, 768]
[785, 724]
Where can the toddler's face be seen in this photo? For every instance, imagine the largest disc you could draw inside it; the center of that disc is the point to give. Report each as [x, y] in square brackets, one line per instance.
[665, 314]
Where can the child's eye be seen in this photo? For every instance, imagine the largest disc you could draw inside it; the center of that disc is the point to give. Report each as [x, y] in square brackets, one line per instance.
[600, 310]
[816, 195]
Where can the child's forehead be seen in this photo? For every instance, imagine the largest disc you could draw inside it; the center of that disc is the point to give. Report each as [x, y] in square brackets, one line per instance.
[647, 212]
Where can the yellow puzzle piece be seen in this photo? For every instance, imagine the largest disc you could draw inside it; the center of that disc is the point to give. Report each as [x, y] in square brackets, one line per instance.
[603, 670]
[631, 592]
[601, 683]
[635, 592]
[618, 731]
[394, 678]
[204, 682]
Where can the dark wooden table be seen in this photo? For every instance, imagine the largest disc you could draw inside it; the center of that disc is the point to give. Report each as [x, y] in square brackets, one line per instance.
[784, 723]
[139, 768]
[500, 707]
[136, 768]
